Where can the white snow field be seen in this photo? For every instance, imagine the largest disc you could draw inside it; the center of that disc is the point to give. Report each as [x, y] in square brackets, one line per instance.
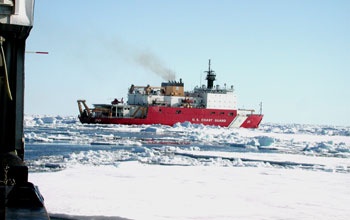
[279, 171]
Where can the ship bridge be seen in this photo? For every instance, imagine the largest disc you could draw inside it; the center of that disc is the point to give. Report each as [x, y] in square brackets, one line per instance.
[217, 98]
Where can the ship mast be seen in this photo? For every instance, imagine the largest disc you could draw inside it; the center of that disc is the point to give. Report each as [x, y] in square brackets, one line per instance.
[210, 77]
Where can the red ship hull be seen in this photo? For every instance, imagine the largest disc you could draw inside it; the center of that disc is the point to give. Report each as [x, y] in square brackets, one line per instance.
[171, 115]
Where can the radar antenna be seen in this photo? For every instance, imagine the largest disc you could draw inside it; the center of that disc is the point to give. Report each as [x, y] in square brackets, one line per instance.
[210, 77]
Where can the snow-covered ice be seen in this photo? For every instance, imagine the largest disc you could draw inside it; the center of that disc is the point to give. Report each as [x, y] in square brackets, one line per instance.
[278, 171]
[138, 191]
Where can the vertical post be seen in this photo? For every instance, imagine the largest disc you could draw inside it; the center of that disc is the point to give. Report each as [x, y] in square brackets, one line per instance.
[18, 197]
[16, 21]
[11, 111]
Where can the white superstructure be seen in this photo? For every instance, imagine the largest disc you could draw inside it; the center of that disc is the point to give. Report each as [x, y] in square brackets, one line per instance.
[171, 95]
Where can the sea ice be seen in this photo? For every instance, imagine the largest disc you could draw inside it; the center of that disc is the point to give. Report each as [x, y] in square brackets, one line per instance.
[137, 191]
[187, 171]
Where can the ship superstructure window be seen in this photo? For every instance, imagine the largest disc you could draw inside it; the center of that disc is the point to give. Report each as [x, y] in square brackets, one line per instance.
[178, 111]
[230, 114]
[222, 113]
[160, 110]
[212, 113]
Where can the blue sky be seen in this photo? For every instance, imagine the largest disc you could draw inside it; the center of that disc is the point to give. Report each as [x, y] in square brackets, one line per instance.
[294, 56]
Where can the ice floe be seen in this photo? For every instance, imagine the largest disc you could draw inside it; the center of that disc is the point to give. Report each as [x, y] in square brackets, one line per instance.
[294, 145]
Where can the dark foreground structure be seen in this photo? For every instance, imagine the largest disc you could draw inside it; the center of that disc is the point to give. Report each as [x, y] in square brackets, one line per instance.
[19, 199]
